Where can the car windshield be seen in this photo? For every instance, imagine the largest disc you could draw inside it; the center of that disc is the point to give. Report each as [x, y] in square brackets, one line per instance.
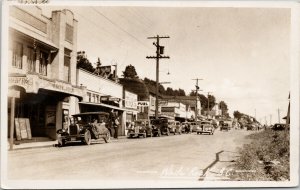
[90, 118]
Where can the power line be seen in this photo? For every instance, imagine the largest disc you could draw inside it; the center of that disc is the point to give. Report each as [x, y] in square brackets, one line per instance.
[116, 25]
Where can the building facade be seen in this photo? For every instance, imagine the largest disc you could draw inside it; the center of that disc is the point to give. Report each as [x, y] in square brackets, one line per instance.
[42, 70]
[102, 95]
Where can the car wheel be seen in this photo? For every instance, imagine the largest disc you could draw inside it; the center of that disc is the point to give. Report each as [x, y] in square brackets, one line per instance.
[158, 133]
[144, 135]
[168, 132]
[107, 137]
[87, 137]
[61, 142]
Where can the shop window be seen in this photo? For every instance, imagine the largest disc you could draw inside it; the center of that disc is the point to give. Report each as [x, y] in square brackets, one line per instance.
[67, 63]
[17, 54]
[43, 63]
[97, 99]
[31, 59]
[89, 97]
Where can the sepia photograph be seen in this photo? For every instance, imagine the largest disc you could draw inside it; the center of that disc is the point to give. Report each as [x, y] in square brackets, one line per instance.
[149, 94]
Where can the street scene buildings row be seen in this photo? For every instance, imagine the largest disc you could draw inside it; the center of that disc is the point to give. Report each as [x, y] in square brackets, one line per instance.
[46, 88]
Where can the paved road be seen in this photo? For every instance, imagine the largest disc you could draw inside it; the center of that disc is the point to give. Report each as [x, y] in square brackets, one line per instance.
[169, 157]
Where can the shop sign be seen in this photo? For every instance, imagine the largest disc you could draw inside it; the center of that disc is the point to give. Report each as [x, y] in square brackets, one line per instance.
[111, 99]
[168, 109]
[171, 114]
[163, 102]
[143, 103]
[130, 104]
[130, 100]
[59, 86]
[21, 81]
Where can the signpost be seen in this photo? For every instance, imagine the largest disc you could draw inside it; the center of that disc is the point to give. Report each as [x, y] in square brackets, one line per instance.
[13, 94]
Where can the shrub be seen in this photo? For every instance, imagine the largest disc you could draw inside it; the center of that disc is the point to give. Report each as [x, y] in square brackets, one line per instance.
[267, 157]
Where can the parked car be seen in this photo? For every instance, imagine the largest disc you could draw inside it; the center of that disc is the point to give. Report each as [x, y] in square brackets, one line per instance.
[186, 128]
[160, 127]
[224, 126]
[194, 126]
[176, 128]
[84, 127]
[215, 123]
[140, 127]
[278, 127]
[206, 127]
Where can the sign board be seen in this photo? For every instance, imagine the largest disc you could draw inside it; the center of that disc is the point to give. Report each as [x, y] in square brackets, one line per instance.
[23, 130]
[14, 93]
[168, 109]
[163, 102]
[108, 98]
[143, 103]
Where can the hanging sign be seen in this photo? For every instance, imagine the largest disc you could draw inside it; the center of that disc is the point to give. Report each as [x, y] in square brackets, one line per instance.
[143, 103]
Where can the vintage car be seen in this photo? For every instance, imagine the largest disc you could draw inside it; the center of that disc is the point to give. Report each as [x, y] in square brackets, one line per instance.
[140, 127]
[224, 126]
[185, 127]
[206, 127]
[194, 126]
[160, 127]
[176, 128]
[84, 127]
[279, 127]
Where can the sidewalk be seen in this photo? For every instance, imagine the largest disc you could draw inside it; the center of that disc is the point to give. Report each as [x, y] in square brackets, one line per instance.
[50, 143]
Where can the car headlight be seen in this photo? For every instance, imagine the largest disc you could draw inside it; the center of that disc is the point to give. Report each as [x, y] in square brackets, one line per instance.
[63, 130]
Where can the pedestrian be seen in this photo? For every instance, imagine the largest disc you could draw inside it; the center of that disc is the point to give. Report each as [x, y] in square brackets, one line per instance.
[116, 127]
[112, 118]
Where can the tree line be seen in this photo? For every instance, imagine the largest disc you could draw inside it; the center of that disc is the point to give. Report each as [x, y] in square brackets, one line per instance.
[130, 73]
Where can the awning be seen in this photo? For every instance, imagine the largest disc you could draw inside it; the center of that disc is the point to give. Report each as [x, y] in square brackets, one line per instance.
[105, 105]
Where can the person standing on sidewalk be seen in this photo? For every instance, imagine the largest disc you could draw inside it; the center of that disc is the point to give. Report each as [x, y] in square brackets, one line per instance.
[112, 118]
[116, 127]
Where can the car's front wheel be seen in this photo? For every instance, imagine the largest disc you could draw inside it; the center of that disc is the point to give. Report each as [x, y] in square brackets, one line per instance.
[61, 142]
[87, 137]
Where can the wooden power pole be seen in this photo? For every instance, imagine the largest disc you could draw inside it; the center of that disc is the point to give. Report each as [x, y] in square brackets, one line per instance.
[196, 107]
[159, 55]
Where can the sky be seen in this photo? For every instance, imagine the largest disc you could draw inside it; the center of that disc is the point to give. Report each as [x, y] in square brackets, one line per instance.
[242, 54]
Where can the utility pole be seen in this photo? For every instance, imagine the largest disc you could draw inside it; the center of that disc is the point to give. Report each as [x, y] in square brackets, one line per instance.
[159, 52]
[208, 103]
[196, 107]
[278, 115]
[255, 113]
[270, 119]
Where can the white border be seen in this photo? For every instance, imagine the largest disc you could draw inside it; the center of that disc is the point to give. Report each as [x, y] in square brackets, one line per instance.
[294, 81]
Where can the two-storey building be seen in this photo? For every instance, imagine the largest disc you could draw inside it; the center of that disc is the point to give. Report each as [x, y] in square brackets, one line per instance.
[42, 70]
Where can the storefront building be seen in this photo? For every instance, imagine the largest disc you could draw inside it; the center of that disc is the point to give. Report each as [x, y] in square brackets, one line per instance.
[191, 104]
[130, 104]
[102, 95]
[176, 110]
[42, 86]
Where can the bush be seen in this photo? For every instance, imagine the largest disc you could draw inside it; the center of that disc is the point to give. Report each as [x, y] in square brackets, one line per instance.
[266, 158]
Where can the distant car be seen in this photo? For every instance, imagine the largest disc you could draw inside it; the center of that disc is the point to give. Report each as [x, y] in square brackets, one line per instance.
[224, 127]
[185, 127]
[214, 123]
[194, 126]
[140, 128]
[206, 127]
[160, 127]
[84, 127]
[177, 128]
[278, 127]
